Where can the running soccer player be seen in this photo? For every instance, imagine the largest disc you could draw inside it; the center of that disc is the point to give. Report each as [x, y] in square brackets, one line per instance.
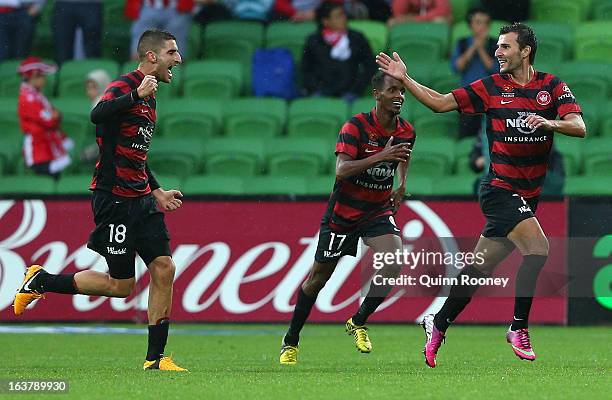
[124, 199]
[371, 148]
[521, 105]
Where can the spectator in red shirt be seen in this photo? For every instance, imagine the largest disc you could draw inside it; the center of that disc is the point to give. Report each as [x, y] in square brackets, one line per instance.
[420, 11]
[45, 146]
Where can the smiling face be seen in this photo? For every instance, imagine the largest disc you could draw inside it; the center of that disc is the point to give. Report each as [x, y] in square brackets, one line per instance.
[508, 53]
[164, 60]
[390, 96]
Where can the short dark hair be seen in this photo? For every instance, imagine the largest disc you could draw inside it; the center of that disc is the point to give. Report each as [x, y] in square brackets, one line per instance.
[152, 40]
[378, 80]
[324, 10]
[525, 37]
[473, 11]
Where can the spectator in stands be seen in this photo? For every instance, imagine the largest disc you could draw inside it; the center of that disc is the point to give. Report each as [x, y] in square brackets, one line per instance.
[17, 26]
[95, 84]
[337, 61]
[420, 11]
[474, 58]
[295, 10]
[555, 175]
[45, 146]
[377, 10]
[172, 16]
[207, 11]
[507, 10]
[68, 15]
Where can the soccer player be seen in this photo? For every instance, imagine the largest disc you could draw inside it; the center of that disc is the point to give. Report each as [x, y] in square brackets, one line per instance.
[125, 199]
[521, 105]
[370, 149]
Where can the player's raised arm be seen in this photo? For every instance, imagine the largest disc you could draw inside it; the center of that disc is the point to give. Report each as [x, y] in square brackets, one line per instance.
[396, 68]
[119, 97]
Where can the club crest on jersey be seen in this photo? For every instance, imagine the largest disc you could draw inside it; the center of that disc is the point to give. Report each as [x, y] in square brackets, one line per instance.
[507, 91]
[543, 98]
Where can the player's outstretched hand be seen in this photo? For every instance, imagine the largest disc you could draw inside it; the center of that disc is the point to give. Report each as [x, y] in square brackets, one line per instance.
[394, 67]
[395, 152]
[147, 87]
[168, 200]
[397, 196]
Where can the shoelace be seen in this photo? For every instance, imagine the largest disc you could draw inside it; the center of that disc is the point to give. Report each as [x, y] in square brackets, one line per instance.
[523, 335]
[360, 333]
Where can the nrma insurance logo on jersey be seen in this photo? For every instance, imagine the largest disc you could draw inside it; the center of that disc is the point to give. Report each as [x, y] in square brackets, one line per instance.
[381, 172]
[519, 123]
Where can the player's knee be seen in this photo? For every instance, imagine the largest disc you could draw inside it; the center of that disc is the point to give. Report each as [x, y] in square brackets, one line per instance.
[538, 247]
[162, 271]
[122, 287]
[314, 284]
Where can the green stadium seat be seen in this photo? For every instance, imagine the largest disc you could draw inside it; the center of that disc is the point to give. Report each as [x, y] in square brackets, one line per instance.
[459, 185]
[255, 117]
[437, 125]
[376, 32]
[603, 10]
[234, 156]
[316, 117]
[289, 35]
[213, 185]
[116, 43]
[587, 80]
[420, 185]
[606, 121]
[363, 105]
[297, 156]
[571, 149]
[443, 79]
[432, 156]
[189, 119]
[586, 186]
[194, 42]
[213, 79]
[420, 41]
[9, 119]
[27, 185]
[555, 40]
[76, 119]
[461, 29]
[232, 40]
[594, 41]
[598, 157]
[170, 181]
[276, 185]
[321, 185]
[179, 158]
[460, 8]
[73, 184]
[567, 11]
[72, 75]
[463, 148]
[10, 149]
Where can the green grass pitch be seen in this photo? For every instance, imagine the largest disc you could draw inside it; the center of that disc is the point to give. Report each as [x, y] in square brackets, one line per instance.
[241, 362]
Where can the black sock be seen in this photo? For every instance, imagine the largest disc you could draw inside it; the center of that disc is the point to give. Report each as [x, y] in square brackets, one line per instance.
[45, 282]
[370, 304]
[158, 337]
[300, 314]
[526, 279]
[458, 299]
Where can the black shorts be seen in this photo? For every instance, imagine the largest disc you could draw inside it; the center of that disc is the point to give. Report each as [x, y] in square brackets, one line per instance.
[333, 245]
[125, 226]
[503, 209]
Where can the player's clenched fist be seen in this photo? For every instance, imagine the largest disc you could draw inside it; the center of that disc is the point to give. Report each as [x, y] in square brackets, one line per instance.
[147, 87]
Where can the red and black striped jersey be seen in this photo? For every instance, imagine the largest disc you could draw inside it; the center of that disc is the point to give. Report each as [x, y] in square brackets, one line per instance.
[363, 197]
[519, 154]
[124, 127]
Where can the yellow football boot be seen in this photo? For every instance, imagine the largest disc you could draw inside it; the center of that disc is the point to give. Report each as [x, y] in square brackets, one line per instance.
[360, 333]
[163, 364]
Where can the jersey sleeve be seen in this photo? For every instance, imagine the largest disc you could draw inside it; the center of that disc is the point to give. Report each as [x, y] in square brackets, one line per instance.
[348, 140]
[565, 102]
[473, 98]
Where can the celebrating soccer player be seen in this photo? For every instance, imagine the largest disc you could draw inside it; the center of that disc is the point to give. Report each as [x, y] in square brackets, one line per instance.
[370, 149]
[521, 105]
[124, 200]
